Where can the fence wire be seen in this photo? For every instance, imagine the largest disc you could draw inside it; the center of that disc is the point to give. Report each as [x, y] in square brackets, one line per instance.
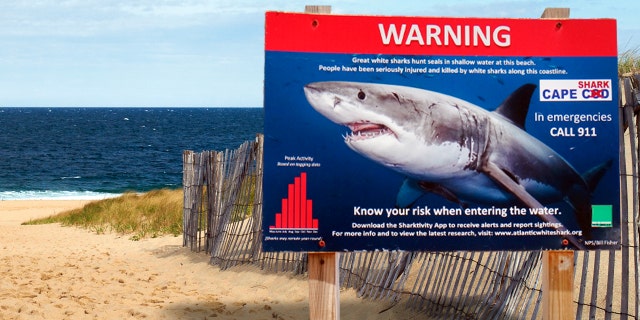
[223, 217]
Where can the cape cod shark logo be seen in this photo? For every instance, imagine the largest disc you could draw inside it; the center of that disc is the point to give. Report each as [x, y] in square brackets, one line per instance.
[450, 147]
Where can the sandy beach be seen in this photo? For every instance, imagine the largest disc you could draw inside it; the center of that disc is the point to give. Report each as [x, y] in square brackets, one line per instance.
[55, 272]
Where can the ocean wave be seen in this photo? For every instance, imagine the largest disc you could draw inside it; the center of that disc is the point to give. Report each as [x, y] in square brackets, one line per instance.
[56, 195]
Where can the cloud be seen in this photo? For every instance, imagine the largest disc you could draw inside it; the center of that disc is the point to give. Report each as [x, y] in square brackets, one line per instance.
[95, 17]
[190, 8]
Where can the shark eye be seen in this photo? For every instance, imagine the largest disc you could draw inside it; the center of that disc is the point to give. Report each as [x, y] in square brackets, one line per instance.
[361, 95]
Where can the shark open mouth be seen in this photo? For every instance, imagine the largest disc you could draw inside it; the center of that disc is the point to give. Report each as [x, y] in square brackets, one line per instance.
[366, 130]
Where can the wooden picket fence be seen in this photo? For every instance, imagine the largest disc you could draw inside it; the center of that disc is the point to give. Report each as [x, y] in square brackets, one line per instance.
[223, 217]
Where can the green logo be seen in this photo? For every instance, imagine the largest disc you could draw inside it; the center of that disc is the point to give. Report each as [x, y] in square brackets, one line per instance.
[601, 216]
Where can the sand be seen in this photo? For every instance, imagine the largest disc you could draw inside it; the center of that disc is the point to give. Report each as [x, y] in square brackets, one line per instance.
[55, 272]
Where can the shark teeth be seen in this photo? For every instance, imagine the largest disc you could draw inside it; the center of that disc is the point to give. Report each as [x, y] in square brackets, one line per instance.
[365, 130]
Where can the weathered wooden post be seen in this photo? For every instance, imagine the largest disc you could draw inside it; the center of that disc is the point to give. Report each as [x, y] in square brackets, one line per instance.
[557, 265]
[557, 285]
[324, 286]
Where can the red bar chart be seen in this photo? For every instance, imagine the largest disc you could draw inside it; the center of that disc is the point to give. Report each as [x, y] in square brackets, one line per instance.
[297, 211]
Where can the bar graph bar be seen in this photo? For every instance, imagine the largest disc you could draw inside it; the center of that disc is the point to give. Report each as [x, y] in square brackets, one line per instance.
[297, 211]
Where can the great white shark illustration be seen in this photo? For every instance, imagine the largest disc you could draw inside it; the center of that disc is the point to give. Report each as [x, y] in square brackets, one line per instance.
[453, 148]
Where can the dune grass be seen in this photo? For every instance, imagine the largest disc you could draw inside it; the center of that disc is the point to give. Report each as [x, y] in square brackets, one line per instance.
[152, 214]
[629, 62]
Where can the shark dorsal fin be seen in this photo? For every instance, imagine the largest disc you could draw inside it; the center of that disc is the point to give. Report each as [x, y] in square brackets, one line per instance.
[516, 106]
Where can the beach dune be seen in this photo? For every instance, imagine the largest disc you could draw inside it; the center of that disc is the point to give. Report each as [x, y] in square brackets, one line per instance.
[55, 272]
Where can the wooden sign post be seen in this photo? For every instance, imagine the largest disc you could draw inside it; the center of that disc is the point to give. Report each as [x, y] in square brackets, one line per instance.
[557, 266]
[557, 285]
[324, 284]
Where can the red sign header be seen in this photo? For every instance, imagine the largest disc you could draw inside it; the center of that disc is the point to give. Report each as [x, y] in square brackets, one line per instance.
[298, 32]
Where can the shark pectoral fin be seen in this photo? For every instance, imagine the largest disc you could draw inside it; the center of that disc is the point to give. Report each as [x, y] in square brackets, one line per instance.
[411, 190]
[408, 194]
[506, 181]
[441, 191]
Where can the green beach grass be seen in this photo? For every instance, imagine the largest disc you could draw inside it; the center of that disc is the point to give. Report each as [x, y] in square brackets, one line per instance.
[148, 215]
[629, 62]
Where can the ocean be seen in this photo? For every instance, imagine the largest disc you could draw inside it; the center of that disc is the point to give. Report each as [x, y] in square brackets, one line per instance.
[93, 153]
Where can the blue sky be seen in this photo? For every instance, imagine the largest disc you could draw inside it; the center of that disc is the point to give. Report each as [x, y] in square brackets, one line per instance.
[192, 53]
